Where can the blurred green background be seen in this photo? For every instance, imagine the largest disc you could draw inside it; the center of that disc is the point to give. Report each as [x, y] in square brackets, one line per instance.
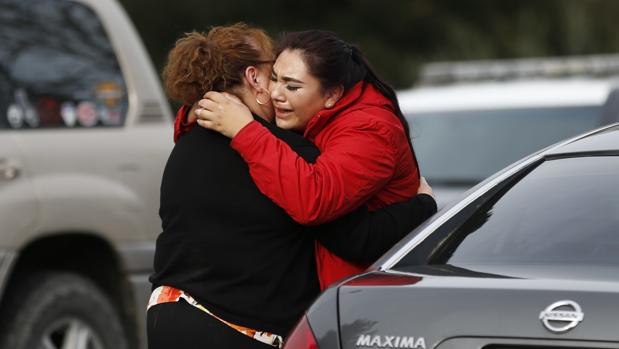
[399, 35]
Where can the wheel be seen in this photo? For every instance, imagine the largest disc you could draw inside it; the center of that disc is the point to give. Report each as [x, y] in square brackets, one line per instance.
[60, 311]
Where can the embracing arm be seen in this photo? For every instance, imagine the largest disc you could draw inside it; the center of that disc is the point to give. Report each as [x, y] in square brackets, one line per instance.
[362, 237]
[355, 163]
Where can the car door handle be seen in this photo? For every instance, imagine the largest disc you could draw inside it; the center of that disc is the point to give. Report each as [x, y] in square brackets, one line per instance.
[8, 170]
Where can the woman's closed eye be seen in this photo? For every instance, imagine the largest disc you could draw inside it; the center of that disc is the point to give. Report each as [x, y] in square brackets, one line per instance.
[292, 88]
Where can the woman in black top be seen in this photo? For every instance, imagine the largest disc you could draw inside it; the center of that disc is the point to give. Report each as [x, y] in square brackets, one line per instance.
[231, 268]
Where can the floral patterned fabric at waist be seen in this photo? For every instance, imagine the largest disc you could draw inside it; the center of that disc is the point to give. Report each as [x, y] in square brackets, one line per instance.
[166, 294]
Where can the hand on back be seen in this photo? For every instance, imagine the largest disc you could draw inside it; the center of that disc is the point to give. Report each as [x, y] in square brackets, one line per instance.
[424, 187]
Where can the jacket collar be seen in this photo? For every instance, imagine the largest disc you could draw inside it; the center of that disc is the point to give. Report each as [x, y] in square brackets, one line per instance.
[362, 94]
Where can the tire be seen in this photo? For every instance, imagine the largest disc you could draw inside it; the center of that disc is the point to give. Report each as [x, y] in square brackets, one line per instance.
[60, 310]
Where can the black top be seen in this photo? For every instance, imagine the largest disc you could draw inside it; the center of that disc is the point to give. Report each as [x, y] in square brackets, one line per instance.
[242, 256]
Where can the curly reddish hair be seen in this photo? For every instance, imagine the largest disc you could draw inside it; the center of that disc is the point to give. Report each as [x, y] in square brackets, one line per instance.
[214, 61]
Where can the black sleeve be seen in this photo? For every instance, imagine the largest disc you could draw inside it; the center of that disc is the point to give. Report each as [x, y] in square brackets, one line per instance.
[362, 237]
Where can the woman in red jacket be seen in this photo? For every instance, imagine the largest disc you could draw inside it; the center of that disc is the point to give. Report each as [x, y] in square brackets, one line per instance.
[323, 87]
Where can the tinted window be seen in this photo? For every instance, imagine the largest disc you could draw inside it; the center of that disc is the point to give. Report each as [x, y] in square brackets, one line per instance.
[565, 211]
[57, 67]
[468, 146]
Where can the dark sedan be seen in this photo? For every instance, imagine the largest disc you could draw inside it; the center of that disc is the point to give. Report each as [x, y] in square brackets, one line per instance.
[529, 259]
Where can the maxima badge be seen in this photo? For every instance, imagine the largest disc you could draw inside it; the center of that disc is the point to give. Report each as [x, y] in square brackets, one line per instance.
[561, 316]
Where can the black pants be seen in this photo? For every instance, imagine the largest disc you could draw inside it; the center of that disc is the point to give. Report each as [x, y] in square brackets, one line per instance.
[179, 325]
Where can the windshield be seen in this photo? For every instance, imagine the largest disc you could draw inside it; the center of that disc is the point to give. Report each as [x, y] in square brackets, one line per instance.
[464, 147]
[57, 68]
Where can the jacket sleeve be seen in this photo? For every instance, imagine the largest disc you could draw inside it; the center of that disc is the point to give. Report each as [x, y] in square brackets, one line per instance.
[356, 161]
[362, 237]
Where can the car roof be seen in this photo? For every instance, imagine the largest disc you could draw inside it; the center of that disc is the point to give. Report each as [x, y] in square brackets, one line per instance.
[487, 95]
[601, 141]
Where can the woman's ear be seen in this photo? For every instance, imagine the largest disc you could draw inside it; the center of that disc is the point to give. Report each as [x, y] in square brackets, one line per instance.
[333, 95]
[251, 76]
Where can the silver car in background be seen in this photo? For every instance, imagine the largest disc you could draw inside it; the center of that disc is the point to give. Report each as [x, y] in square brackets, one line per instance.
[85, 130]
[469, 120]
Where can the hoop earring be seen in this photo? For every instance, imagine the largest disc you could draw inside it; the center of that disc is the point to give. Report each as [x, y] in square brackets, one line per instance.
[258, 97]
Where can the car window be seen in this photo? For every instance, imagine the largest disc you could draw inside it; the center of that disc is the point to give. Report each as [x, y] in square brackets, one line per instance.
[464, 147]
[564, 211]
[57, 68]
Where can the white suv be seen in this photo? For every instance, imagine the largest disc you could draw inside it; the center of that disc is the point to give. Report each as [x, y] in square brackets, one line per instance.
[485, 115]
[85, 131]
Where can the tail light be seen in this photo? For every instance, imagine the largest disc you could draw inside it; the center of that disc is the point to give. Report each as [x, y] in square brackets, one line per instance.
[301, 337]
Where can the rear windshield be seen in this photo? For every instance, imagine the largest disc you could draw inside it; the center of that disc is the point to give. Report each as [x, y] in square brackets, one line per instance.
[464, 147]
[564, 212]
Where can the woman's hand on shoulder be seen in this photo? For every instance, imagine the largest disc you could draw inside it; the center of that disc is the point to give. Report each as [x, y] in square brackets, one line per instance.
[223, 112]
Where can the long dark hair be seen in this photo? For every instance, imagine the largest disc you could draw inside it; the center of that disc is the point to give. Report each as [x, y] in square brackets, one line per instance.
[335, 62]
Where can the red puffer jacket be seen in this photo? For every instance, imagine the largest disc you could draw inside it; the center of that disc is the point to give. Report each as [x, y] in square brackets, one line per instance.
[365, 158]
